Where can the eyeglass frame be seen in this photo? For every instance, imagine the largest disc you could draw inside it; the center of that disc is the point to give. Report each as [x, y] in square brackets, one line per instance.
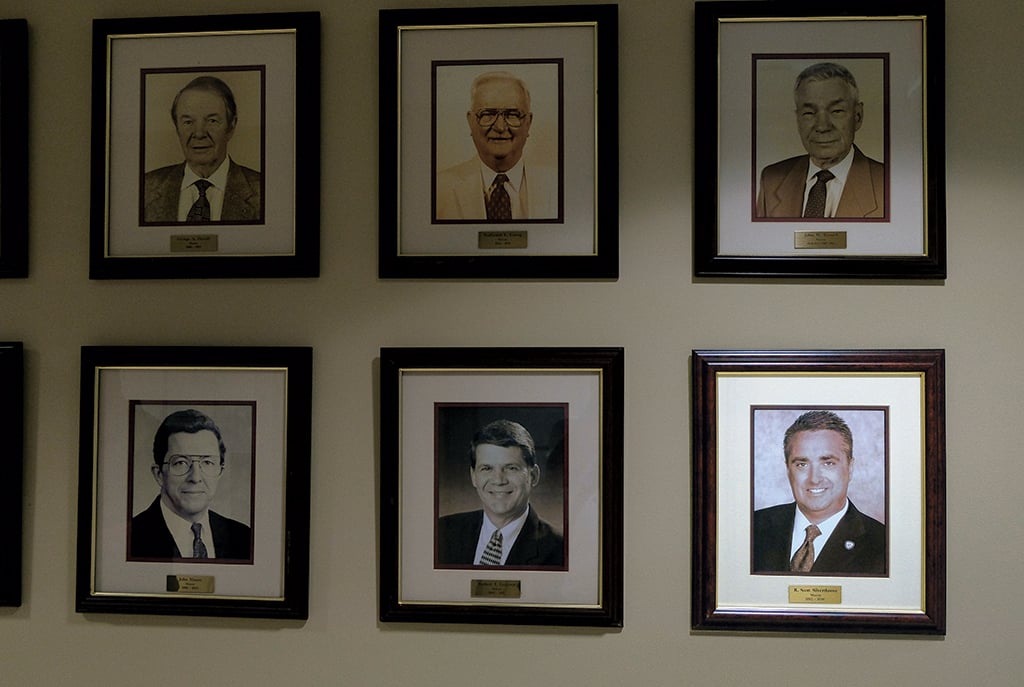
[193, 460]
[504, 114]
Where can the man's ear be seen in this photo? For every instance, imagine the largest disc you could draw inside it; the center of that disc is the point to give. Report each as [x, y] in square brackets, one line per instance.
[535, 475]
[158, 473]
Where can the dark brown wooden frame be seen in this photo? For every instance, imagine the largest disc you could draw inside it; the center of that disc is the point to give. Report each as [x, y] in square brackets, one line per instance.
[707, 367]
[607, 361]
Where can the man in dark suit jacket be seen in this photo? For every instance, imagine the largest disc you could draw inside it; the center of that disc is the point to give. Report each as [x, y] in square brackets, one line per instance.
[208, 186]
[188, 455]
[835, 179]
[507, 531]
[822, 532]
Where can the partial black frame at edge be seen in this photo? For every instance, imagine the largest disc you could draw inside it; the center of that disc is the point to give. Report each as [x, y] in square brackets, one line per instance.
[706, 365]
[305, 262]
[706, 260]
[611, 362]
[603, 265]
[12, 426]
[14, 144]
[299, 363]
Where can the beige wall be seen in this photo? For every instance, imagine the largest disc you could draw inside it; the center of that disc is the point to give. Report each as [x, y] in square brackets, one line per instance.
[655, 310]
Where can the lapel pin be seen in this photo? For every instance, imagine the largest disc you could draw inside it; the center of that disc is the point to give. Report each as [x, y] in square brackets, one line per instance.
[849, 545]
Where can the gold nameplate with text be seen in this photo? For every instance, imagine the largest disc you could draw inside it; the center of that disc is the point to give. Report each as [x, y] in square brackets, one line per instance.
[496, 589]
[502, 239]
[819, 239]
[803, 594]
[194, 243]
[190, 584]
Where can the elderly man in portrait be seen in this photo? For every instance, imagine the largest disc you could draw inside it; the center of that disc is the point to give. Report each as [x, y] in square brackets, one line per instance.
[507, 530]
[188, 462]
[497, 184]
[835, 179]
[821, 532]
[208, 186]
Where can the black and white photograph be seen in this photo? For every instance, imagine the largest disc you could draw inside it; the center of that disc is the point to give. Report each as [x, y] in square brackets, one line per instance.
[501, 477]
[194, 481]
[501, 485]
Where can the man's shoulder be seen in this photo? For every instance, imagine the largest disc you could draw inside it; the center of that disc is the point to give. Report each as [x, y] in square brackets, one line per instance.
[456, 520]
[161, 175]
[250, 175]
[218, 520]
[783, 167]
[461, 170]
[871, 526]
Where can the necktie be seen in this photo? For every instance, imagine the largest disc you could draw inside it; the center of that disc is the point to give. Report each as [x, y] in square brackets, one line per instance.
[492, 554]
[200, 210]
[816, 198]
[499, 206]
[198, 547]
[803, 559]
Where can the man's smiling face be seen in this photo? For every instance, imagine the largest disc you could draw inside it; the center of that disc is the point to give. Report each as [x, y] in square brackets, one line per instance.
[189, 495]
[201, 120]
[819, 467]
[503, 481]
[498, 144]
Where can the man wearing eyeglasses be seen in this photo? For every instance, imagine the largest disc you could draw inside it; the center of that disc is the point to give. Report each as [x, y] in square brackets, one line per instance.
[188, 455]
[497, 185]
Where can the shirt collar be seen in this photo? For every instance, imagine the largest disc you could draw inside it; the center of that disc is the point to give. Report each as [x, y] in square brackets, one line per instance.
[515, 175]
[219, 178]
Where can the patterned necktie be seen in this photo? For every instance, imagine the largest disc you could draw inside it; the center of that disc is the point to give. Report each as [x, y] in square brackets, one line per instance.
[816, 198]
[200, 210]
[492, 554]
[803, 559]
[198, 547]
[499, 206]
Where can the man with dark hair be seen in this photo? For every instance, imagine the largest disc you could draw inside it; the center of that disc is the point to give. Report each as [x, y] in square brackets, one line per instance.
[208, 186]
[835, 179]
[188, 461]
[507, 531]
[821, 532]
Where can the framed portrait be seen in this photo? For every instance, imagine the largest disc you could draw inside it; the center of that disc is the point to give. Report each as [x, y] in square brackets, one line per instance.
[194, 481]
[501, 485]
[500, 157]
[206, 147]
[13, 148]
[819, 491]
[819, 140]
[12, 426]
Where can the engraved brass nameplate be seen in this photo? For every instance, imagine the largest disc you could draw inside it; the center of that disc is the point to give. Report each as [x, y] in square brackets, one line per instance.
[503, 589]
[819, 239]
[803, 594]
[190, 584]
[194, 243]
[502, 239]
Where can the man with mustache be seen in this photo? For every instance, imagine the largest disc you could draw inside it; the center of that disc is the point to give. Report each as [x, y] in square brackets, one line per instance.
[835, 179]
[208, 186]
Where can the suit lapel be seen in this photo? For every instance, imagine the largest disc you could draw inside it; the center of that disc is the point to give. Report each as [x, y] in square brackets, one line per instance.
[858, 198]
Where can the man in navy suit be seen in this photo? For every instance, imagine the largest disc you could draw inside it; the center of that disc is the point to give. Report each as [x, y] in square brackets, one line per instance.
[821, 532]
[507, 531]
[188, 455]
[208, 186]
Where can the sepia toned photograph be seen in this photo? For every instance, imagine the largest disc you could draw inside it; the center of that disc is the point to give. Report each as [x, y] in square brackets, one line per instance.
[205, 147]
[202, 152]
[508, 169]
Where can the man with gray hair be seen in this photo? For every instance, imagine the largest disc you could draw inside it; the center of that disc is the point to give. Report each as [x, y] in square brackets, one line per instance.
[835, 179]
[497, 185]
